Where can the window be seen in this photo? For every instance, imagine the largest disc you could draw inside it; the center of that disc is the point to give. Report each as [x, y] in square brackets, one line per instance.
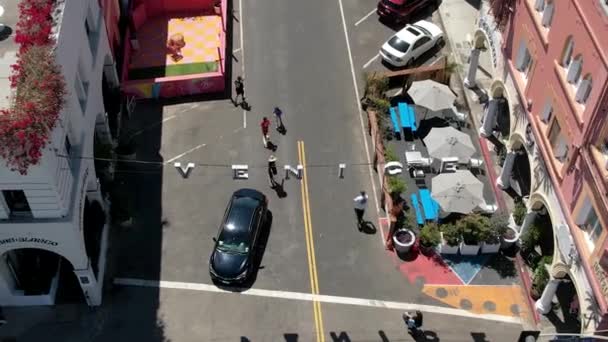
[91, 29]
[567, 53]
[548, 14]
[558, 141]
[539, 5]
[82, 90]
[547, 112]
[584, 89]
[589, 222]
[421, 42]
[68, 146]
[574, 70]
[524, 61]
[17, 203]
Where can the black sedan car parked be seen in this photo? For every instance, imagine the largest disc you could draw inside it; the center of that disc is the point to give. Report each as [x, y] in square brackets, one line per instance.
[232, 259]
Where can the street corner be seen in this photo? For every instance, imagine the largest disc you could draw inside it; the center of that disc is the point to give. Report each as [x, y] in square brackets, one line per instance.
[504, 300]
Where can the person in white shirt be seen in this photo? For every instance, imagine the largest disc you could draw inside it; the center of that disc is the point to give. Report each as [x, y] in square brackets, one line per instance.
[360, 205]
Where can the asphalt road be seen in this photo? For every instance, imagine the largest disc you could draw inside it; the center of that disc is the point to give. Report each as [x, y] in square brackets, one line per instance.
[294, 55]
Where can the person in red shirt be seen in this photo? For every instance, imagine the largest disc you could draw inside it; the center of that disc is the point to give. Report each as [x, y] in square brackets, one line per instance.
[265, 125]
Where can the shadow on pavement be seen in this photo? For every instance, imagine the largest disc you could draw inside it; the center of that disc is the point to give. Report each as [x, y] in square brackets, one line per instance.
[136, 250]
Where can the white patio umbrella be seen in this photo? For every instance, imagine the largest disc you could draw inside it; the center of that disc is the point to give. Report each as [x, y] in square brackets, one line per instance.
[457, 192]
[446, 142]
[432, 95]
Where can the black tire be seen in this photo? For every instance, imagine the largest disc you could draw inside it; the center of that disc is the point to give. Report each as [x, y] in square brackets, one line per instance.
[440, 42]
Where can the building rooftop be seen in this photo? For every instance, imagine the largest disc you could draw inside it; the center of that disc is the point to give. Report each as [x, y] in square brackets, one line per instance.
[8, 48]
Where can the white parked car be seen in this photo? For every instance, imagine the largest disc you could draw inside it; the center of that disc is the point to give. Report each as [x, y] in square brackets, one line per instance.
[411, 42]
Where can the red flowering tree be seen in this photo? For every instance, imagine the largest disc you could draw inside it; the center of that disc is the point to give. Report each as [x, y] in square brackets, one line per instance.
[38, 89]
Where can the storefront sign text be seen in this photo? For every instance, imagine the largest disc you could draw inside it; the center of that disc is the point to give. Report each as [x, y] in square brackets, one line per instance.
[602, 277]
[28, 240]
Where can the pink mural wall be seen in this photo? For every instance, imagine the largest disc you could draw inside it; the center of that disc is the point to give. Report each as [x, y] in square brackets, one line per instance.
[174, 86]
[586, 23]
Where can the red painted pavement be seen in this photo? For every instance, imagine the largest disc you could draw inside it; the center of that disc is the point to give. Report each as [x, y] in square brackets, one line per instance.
[432, 270]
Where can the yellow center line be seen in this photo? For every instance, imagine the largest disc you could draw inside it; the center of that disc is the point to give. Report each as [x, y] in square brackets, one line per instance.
[310, 247]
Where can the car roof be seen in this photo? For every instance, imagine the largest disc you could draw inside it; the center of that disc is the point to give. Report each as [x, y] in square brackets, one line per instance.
[241, 212]
[406, 35]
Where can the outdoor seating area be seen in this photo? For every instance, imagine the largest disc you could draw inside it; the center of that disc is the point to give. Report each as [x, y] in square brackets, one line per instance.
[445, 188]
[171, 54]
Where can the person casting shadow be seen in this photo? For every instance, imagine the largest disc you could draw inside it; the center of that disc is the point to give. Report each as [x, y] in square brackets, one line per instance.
[278, 114]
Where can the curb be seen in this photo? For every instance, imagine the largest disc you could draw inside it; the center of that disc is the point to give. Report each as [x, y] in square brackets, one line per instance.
[523, 274]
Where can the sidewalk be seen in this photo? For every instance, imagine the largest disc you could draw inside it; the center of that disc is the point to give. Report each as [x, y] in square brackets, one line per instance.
[459, 20]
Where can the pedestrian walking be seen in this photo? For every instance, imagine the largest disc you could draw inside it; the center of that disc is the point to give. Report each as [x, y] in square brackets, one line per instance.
[240, 91]
[360, 205]
[265, 125]
[272, 170]
[414, 322]
[278, 115]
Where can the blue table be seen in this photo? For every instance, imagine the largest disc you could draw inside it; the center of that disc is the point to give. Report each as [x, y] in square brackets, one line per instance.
[396, 126]
[429, 206]
[412, 117]
[416, 207]
[404, 115]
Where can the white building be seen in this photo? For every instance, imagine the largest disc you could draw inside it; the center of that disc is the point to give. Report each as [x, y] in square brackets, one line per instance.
[53, 221]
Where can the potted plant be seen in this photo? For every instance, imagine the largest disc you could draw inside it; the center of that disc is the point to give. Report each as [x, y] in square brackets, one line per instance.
[531, 237]
[509, 237]
[539, 281]
[450, 239]
[519, 212]
[491, 238]
[403, 240]
[430, 238]
[474, 228]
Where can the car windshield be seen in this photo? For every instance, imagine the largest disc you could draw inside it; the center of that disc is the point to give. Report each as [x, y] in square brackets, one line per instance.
[398, 44]
[425, 31]
[235, 236]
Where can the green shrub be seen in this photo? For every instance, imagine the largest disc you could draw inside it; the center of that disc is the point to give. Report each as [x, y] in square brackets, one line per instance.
[396, 184]
[545, 260]
[498, 225]
[474, 228]
[429, 235]
[540, 279]
[519, 212]
[390, 155]
[451, 234]
[380, 104]
[531, 237]
[375, 85]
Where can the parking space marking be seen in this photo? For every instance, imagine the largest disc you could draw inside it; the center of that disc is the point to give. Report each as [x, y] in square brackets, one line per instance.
[365, 17]
[310, 246]
[371, 61]
[237, 50]
[373, 303]
[183, 154]
[358, 105]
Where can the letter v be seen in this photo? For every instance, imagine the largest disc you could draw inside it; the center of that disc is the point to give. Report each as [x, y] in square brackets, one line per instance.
[184, 171]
